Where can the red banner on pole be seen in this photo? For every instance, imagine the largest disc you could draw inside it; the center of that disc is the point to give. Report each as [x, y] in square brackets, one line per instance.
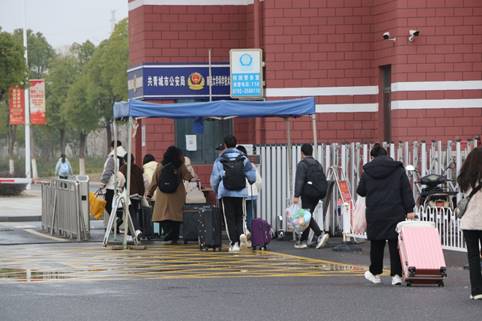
[16, 103]
[37, 102]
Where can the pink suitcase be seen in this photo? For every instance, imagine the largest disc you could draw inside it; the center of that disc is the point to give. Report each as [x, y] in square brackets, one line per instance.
[421, 253]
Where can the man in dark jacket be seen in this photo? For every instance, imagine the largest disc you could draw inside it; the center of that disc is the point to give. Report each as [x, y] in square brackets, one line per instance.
[307, 167]
[389, 200]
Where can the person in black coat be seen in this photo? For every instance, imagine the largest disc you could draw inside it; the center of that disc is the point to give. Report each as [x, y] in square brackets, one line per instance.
[389, 200]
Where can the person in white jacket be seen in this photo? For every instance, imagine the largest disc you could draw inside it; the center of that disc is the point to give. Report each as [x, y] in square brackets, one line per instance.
[470, 182]
[108, 178]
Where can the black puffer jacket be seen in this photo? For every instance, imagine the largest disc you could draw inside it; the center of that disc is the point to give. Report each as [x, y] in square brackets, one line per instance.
[388, 197]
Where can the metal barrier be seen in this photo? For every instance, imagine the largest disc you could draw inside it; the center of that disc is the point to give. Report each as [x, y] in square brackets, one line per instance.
[65, 208]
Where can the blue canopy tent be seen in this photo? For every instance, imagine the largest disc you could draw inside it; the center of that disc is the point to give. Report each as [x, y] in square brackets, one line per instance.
[219, 108]
[133, 109]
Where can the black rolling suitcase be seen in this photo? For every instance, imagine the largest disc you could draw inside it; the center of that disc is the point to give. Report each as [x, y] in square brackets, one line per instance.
[209, 228]
[190, 223]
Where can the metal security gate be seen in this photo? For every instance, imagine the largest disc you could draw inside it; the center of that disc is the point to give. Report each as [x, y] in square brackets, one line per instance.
[65, 208]
[348, 159]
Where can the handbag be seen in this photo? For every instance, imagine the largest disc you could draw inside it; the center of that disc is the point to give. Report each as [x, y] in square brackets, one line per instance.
[145, 202]
[194, 195]
[97, 204]
[463, 204]
[359, 216]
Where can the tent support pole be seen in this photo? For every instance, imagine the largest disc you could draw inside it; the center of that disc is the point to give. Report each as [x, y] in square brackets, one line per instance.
[315, 135]
[290, 158]
[210, 82]
[128, 180]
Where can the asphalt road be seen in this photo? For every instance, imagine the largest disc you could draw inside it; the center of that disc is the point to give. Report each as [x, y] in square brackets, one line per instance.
[339, 297]
[325, 298]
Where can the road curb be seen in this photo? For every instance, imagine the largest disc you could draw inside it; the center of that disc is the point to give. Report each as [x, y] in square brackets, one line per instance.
[35, 218]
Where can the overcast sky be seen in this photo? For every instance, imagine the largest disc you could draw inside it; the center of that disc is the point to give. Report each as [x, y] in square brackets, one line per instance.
[63, 21]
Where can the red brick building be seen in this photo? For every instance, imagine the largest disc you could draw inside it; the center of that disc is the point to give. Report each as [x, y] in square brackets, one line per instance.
[367, 88]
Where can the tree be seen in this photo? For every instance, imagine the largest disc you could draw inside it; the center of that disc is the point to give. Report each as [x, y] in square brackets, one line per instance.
[64, 70]
[107, 75]
[80, 115]
[40, 52]
[12, 71]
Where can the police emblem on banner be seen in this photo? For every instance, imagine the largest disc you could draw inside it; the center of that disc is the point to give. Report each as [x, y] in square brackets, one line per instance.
[195, 81]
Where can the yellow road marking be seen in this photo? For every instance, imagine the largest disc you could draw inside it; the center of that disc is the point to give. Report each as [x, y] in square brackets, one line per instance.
[81, 262]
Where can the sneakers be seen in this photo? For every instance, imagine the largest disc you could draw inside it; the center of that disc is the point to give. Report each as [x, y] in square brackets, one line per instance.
[138, 234]
[476, 297]
[396, 280]
[301, 245]
[375, 279]
[234, 248]
[243, 241]
[322, 240]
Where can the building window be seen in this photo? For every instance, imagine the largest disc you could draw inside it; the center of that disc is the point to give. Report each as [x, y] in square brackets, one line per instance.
[214, 132]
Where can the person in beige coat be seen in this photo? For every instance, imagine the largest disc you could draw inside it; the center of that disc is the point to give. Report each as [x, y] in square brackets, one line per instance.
[470, 182]
[168, 207]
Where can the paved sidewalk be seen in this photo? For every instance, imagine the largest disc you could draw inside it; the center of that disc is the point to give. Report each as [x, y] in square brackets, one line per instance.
[25, 207]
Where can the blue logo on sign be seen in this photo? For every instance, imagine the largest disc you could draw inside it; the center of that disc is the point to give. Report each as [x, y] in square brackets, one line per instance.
[245, 60]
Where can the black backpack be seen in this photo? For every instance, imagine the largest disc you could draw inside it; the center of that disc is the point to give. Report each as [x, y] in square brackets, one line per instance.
[169, 179]
[234, 178]
[315, 185]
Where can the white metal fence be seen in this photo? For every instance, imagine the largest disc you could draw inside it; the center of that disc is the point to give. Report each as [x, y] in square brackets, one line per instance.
[447, 224]
[278, 167]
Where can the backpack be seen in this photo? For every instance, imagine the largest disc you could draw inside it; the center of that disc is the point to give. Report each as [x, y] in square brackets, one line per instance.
[169, 179]
[315, 185]
[234, 178]
[64, 169]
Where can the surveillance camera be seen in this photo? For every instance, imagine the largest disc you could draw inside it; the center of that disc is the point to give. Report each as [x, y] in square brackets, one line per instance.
[412, 34]
[387, 36]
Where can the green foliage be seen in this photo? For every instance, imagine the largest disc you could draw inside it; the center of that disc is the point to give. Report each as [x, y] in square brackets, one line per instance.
[63, 72]
[81, 86]
[12, 64]
[39, 52]
[107, 72]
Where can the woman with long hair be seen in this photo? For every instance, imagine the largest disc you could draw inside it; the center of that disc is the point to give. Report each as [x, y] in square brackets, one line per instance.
[170, 192]
[470, 182]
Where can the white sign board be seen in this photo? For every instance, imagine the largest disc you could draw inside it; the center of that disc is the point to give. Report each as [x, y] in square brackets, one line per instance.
[191, 143]
[246, 73]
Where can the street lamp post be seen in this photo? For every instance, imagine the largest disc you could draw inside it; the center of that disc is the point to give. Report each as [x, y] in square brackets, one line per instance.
[28, 174]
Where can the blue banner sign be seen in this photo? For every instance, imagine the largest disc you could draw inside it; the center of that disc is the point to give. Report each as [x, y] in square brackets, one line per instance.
[158, 82]
[246, 73]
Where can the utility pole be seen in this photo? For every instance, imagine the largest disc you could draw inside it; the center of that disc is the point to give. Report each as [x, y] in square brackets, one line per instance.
[112, 21]
[28, 173]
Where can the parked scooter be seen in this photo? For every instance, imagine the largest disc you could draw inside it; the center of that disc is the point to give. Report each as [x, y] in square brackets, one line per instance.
[433, 190]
